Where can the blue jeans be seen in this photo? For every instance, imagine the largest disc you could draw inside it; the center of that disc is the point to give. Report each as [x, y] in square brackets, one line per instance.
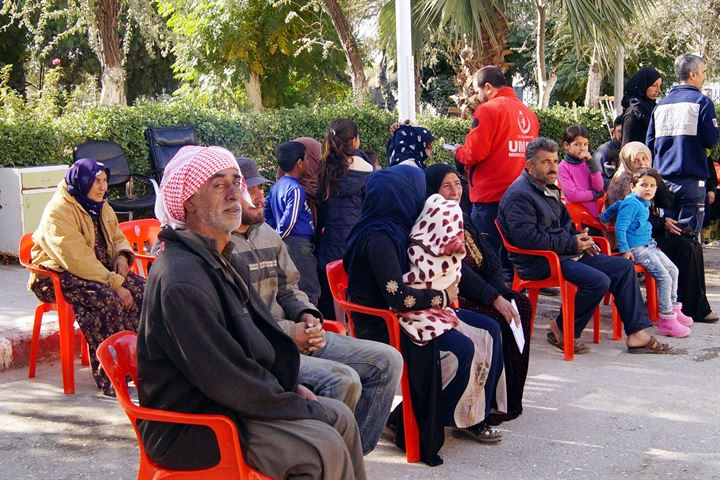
[663, 270]
[483, 216]
[688, 201]
[347, 368]
[596, 275]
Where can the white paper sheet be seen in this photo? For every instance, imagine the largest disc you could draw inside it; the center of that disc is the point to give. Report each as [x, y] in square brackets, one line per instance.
[517, 330]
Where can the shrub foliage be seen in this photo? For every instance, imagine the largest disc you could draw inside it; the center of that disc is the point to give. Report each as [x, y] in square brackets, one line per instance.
[34, 139]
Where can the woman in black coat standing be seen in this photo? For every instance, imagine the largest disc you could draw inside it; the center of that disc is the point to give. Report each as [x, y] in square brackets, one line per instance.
[639, 98]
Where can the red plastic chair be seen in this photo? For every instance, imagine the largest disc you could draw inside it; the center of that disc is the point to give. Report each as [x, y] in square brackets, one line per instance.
[568, 291]
[66, 321]
[581, 216]
[118, 357]
[141, 234]
[334, 327]
[338, 281]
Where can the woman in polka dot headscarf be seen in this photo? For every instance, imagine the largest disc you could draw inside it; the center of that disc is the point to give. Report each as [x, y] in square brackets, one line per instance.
[409, 145]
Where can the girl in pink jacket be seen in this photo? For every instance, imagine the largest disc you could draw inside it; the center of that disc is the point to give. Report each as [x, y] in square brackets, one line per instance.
[579, 175]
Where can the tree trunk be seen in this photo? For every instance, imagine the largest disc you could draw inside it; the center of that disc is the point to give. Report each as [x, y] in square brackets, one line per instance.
[383, 83]
[471, 61]
[545, 82]
[352, 53]
[254, 92]
[594, 81]
[107, 17]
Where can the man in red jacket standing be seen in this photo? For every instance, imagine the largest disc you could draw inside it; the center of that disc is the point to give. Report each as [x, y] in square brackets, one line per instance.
[494, 150]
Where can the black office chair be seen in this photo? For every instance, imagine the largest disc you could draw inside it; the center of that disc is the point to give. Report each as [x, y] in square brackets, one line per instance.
[113, 156]
[164, 143]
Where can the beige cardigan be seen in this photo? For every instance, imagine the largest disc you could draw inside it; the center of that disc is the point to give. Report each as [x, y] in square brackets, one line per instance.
[65, 240]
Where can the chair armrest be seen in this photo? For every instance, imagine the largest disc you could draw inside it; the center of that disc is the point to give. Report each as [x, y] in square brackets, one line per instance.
[388, 316]
[223, 428]
[334, 327]
[604, 244]
[552, 258]
[148, 178]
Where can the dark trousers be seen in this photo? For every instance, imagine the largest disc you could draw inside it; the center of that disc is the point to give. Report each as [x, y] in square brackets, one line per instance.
[301, 252]
[596, 275]
[689, 201]
[483, 216]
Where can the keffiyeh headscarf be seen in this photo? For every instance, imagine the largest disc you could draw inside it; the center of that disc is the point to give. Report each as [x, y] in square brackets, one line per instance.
[188, 170]
[80, 178]
[409, 143]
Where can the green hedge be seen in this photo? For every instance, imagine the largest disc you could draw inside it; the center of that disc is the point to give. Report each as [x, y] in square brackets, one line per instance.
[41, 142]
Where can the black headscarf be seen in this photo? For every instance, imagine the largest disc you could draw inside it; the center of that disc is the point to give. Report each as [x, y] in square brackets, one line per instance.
[638, 85]
[80, 178]
[435, 174]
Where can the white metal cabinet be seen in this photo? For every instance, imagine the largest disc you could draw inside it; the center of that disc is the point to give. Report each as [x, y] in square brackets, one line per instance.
[24, 193]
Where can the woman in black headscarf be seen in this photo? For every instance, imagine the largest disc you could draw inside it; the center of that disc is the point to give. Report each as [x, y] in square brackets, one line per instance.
[483, 290]
[446, 374]
[79, 238]
[639, 97]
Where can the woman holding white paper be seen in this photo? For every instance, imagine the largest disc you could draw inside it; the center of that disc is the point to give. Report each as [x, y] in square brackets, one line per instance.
[483, 290]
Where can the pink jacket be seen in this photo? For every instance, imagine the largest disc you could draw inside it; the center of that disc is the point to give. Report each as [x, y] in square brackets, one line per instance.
[578, 184]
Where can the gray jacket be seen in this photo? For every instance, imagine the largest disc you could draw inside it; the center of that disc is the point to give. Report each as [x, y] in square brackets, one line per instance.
[261, 256]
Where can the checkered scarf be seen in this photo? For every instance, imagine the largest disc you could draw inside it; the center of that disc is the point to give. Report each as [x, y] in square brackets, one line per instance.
[188, 170]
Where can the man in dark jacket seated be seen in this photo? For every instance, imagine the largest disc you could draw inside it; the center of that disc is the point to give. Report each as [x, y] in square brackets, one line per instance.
[208, 344]
[533, 217]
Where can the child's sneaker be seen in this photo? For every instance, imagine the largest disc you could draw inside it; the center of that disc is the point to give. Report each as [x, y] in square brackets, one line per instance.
[669, 326]
[681, 317]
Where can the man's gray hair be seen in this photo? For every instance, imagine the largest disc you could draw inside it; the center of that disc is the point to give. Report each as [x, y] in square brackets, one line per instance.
[540, 144]
[686, 63]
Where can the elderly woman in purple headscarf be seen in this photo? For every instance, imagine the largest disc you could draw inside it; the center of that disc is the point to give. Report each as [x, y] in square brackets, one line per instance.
[79, 238]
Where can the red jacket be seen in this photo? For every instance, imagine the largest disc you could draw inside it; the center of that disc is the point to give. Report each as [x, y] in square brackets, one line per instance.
[494, 150]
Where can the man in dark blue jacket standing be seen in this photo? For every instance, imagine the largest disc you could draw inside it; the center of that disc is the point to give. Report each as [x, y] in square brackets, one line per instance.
[532, 216]
[682, 127]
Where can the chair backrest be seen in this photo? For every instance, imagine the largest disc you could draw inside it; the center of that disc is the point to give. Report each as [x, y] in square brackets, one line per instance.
[164, 143]
[508, 246]
[581, 216]
[337, 279]
[141, 233]
[109, 153]
[118, 357]
[26, 245]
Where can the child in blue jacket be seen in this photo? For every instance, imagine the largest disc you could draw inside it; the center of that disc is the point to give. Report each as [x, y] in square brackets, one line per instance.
[634, 237]
[287, 211]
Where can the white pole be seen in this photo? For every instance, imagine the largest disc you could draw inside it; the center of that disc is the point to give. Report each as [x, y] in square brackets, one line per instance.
[405, 61]
[619, 79]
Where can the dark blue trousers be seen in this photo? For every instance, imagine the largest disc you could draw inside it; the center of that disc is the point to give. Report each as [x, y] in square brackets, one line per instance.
[483, 216]
[596, 275]
[688, 201]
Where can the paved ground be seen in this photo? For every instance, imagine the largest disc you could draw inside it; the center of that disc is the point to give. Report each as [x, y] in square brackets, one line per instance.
[607, 415]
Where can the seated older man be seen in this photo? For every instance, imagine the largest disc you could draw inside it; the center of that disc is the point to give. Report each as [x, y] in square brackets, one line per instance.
[208, 344]
[533, 217]
[361, 373]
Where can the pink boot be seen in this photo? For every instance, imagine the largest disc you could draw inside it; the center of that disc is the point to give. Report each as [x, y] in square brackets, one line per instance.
[669, 326]
[681, 317]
